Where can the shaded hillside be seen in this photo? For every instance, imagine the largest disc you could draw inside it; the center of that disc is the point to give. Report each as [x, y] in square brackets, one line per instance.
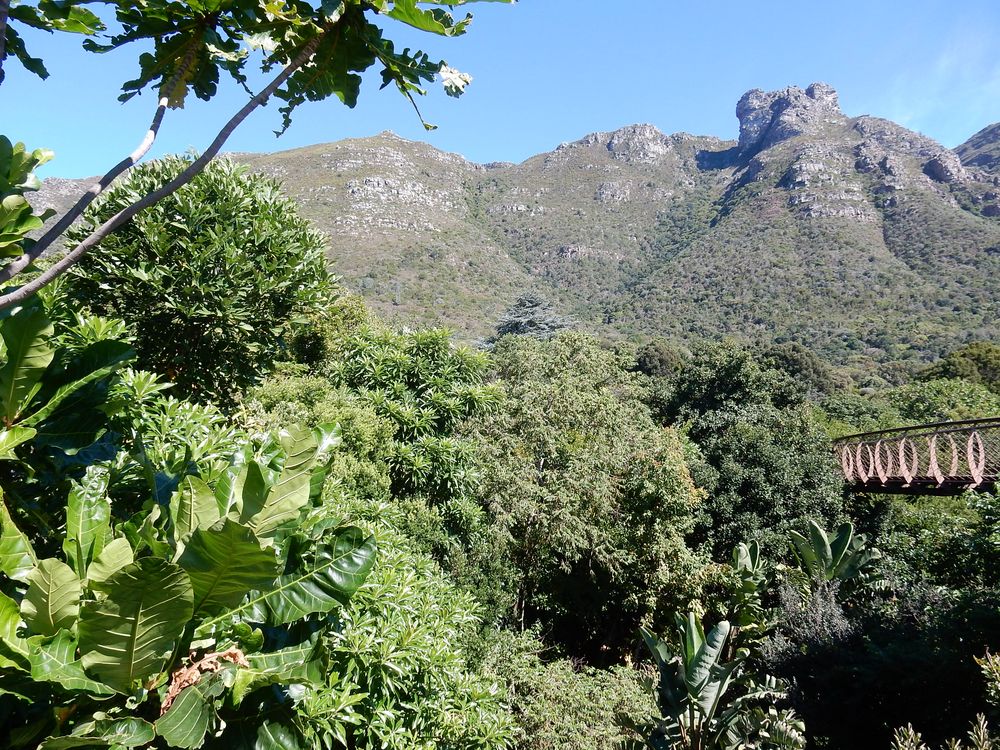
[855, 236]
[983, 149]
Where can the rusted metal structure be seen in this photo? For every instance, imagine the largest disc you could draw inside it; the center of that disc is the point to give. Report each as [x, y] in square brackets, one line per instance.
[945, 458]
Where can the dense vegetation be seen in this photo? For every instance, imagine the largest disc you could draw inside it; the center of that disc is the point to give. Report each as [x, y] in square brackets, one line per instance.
[241, 511]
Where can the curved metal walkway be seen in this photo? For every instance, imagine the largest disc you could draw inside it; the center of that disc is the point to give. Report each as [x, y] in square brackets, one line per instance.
[945, 458]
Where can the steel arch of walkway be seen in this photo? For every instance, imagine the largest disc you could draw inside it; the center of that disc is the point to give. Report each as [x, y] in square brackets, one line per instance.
[945, 458]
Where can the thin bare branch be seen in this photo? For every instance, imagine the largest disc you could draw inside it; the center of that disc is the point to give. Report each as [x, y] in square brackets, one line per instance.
[58, 268]
[20, 263]
[4, 12]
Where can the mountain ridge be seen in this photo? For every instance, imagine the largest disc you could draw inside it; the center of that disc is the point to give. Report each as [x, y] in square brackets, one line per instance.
[853, 235]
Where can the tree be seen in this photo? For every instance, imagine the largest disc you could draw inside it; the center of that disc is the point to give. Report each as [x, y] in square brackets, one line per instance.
[320, 50]
[211, 281]
[978, 363]
[530, 315]
[590, 498]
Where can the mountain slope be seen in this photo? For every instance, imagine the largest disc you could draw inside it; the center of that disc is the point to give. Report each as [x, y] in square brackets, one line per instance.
[862, 239]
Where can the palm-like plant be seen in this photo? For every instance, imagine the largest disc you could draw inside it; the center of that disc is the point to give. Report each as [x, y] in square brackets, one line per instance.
[845, 557]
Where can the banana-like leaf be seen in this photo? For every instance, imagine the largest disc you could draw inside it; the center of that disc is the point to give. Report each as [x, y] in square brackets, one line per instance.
[706, 659]
[193, 506]
[26, 335]
[304, 663]
[115, 556]
[189, 717]
[225, 563]
[88, 519]
[17, 557]
[840, 545]
[14, 650]
[55, 661]
[12, 437]
[129, 635]
[338, 570]
[53, 598]
[810, 563]
[820, 543]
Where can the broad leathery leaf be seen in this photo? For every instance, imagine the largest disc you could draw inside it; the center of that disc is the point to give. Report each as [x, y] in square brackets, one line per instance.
[113, 733]
[98, 361]
[12, 437]
[14, 649]
[191, 714]
[193, 506]
[699, 670]
[225, 563]
[115, 556]
[17, 558]
[710, 696]
[337, 571]
[128, 636]
[435, 20]
[254, 489]
[88, 519]
[291, 492]
[55, 661]
[805, 553]
[53, 598]
[275, 736]
[303, 663]
[26, 336]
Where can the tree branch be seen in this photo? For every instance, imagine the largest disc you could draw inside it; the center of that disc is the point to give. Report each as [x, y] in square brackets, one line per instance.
[4, 11]
[17, 265]
[58, 268]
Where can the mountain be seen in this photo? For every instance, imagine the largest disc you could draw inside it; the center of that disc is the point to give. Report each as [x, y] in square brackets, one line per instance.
[982, 150]
[853, 235]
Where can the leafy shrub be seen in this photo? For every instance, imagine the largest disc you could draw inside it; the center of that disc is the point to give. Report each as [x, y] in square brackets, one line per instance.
[590, 498]
[401, 649]
[978, 363]
[211, 280]
[559, 704]
[943, 400]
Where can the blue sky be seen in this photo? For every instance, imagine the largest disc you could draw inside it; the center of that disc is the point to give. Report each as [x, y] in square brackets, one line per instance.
[548, 71]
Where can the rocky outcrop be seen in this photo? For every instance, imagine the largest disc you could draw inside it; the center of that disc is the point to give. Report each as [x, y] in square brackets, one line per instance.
[945, 167]
[769, 117]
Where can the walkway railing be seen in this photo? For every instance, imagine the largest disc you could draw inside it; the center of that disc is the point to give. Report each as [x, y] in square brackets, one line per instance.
[938, 459]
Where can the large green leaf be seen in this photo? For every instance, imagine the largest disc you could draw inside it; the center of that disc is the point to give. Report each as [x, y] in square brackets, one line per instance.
[193, 506]
[303, 663]
[290, 493]
[113, 733]
[275, 736]
[88, 519]
[53, 598]
[26, 337]
[14, 649]
[129, 635]
[337, 571]
[12, 437]
[225, 563]
[55, 661]
[190, 715]
[97, 362]
[115, 556]
[17, 558]
[706, 659]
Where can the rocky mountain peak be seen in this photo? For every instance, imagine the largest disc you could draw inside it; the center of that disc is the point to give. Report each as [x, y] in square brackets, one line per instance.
[639, 143]
[982, 150]
[769, 117]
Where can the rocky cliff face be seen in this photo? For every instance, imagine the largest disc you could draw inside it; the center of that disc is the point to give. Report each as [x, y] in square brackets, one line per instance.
[851, 234]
